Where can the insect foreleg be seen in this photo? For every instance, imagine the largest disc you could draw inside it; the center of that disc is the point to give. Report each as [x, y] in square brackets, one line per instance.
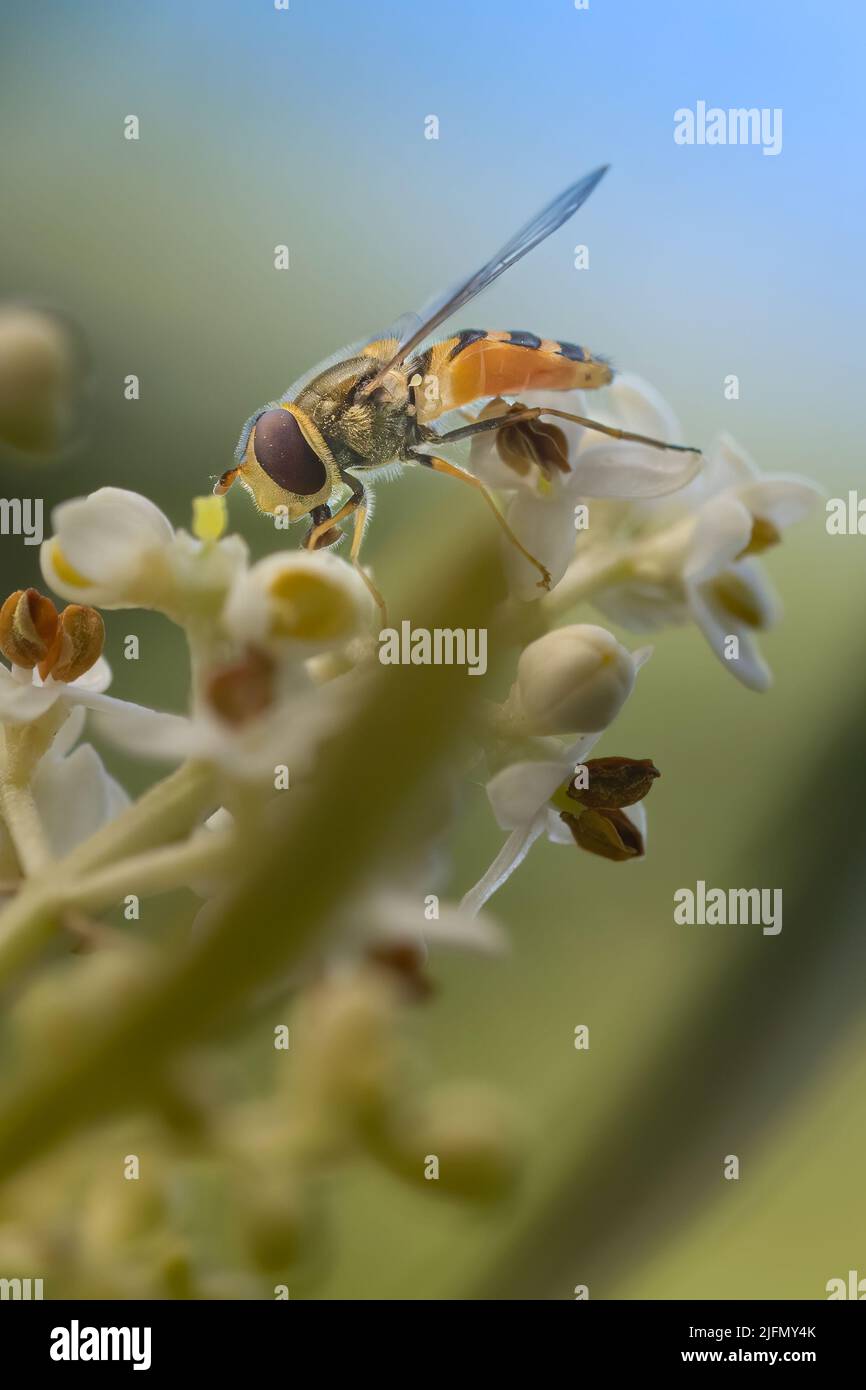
[358, 505]
[354, 556]
[320, 528]
[454, 471]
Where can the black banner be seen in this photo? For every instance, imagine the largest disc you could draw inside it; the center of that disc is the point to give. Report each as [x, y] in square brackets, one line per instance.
[156, 1338]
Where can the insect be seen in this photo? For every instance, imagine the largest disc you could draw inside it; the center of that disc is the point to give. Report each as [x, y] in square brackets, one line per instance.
[375, 404]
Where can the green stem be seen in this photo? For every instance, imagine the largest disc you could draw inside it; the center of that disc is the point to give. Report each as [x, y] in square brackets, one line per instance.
[158, 871]
[19, 812]
[164, 813]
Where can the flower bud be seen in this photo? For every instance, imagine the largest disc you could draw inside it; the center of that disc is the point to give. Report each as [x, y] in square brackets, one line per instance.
[472, 1134]
[614, 782]
[77, 644]
[279, 1224]
[572, 680]
[608, 833]
[38, 379]
[28, 627]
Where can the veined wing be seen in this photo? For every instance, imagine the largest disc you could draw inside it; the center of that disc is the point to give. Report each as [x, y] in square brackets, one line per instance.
[548, 220]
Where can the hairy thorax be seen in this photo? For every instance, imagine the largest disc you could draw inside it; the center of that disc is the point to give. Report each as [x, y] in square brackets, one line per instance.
[362, 430]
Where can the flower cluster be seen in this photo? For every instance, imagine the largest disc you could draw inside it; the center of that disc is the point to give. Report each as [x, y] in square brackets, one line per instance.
[281, 650]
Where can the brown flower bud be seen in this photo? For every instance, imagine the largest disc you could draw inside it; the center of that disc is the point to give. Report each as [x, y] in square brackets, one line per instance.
[77, 645]
[609, 833]
[614, 782]
[244, 689]
[28, 627]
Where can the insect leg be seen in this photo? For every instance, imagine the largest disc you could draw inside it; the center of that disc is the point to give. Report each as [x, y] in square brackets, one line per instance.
[453, 471]
[356, 504]
[354, 556]
[321, 528]
[517, 417]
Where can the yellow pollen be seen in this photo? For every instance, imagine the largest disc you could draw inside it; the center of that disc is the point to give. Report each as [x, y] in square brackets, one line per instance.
[309, 607]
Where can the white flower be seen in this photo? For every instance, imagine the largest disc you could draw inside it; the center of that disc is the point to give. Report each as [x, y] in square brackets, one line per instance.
[572, 678]
[313, 600]
[550, 464]
[73, 793]
[520, 796]
[254, 718]
[695, 560]
[116, 549]
[24, 696]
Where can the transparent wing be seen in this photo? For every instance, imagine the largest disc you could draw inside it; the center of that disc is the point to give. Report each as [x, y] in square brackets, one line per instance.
[420, 326]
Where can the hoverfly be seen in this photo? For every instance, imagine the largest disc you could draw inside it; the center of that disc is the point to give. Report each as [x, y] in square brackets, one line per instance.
[374, 404]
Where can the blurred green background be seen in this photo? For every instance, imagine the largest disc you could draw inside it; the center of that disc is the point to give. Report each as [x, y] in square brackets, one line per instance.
[306, 128]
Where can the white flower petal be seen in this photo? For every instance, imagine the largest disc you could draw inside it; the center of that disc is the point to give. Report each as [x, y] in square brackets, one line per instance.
[69, 732]
[780, 498]
[396, 916]
[97, 679]
[558, 832]
[638, 817]
[545, 525]
[633, 404]
[137, 729]
[642, 607]
[624, 469]
[519, 791]
[75, 796]
[723, 529]
[727, 465]
[749, 667]
[105, 536]
[20, 702]
[512, 854]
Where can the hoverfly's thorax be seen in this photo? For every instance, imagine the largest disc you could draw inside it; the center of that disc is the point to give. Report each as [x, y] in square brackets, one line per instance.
[362, 428]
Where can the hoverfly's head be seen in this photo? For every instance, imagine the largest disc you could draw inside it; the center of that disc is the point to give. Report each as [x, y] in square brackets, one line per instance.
[283, 461]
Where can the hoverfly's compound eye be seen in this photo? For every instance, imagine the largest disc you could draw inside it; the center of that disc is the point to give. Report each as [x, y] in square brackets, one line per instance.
[285, 455]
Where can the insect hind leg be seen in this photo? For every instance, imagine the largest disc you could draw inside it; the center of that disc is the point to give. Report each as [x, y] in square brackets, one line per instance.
[452, 470]
[517, 417]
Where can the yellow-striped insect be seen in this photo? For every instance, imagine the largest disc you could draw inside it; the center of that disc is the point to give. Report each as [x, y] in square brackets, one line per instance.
[375, 404]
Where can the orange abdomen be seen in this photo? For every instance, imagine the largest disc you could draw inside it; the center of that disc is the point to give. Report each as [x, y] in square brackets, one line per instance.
[477, 364]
